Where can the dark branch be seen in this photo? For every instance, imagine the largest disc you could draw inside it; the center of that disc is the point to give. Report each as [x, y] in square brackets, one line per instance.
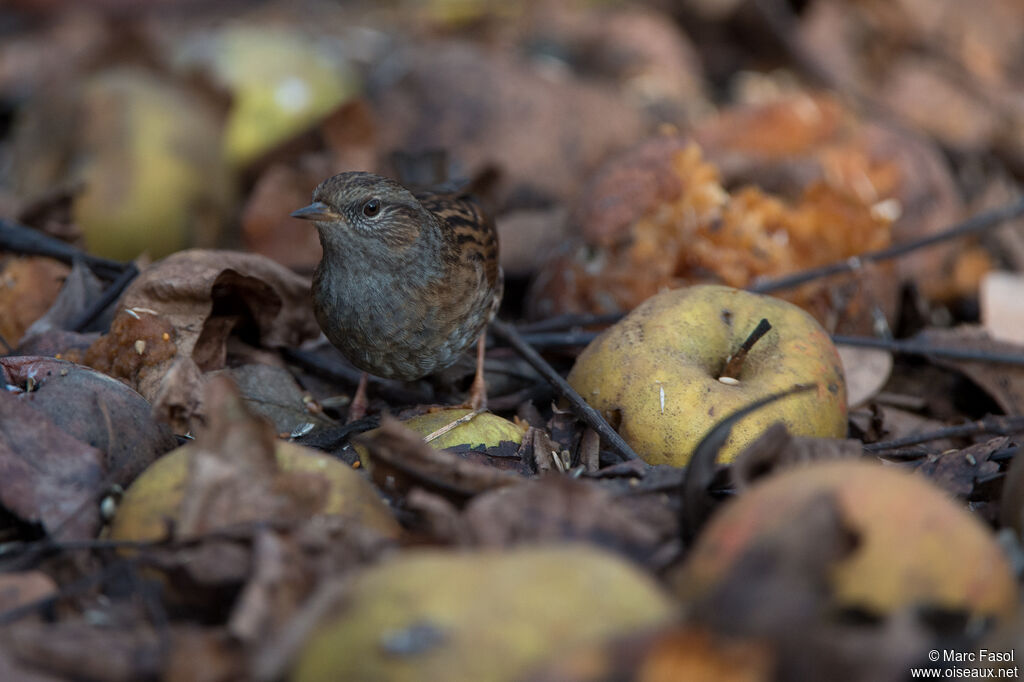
[973, 225]
[918, 348]
[999, 426]
[24, 240]
[588, 414]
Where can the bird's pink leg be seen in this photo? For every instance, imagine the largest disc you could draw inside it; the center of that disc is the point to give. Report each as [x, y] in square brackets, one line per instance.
[357, 408]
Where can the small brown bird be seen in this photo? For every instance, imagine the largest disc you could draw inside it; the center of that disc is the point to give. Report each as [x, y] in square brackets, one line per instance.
[408, 281]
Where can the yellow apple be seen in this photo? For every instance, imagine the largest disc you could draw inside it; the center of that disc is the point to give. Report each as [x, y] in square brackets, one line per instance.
[659, 375]
[479, 615]
[154, 499]
[916, 546]
[153, 176]
[282, 83]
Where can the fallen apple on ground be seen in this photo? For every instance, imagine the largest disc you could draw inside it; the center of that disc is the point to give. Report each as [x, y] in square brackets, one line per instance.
[155, 498]
[915, 546]
[670, 370]
[479, 615]
[486, 429]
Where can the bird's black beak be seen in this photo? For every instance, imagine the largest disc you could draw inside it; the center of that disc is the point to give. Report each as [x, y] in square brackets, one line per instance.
[318, 210]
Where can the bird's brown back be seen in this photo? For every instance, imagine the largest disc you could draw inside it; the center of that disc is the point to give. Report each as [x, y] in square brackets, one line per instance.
[475, 237]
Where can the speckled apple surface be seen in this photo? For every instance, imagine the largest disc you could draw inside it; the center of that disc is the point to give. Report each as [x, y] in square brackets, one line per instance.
[654, 375]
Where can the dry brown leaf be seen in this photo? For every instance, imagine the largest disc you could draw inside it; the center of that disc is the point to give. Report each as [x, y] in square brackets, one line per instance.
[77, 648]
[399, 459]
[777, 449]
[80, 289]
[958, 470]
[556, 509]
[203, 575]
[18, 589]
[924, 94]
[948, 67]
[273, 393]
[280, 581]
[268, 228]
[12, 669]
[199, 654]
[28, 288]
[193, 288]
[896, 423]
[638, 49]
[234, 476]
[525, 233]
[1004, 383]
[437, 518]
[175, 320]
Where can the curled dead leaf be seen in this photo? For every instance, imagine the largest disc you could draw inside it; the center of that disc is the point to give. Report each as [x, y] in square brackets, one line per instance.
[184, 309]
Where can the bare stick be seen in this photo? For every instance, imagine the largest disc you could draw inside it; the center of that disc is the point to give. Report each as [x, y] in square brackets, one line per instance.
[999, 426]
[911, 347]
[588, 414]
[25, 240]
[900, 346]
[973, 225]
[109, 295]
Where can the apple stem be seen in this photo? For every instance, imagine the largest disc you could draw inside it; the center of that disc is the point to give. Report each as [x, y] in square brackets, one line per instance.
[734, 363]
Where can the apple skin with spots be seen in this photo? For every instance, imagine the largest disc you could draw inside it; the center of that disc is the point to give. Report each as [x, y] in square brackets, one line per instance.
[655, 375]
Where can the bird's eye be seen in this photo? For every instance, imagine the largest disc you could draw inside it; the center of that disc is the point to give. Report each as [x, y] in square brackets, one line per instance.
[371, 208]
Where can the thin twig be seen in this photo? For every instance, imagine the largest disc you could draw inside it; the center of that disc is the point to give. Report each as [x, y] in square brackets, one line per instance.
[24, 240]
[998, 426]
[559, 339]
[973, 225]
[918, 348]
[109, 295]
[540, 391]
[572, 339]
[582, 410]
[568, 321]
[539, 333]
[392, 391]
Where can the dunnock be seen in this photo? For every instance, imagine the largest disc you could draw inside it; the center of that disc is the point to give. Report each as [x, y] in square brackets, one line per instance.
[408, 281]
